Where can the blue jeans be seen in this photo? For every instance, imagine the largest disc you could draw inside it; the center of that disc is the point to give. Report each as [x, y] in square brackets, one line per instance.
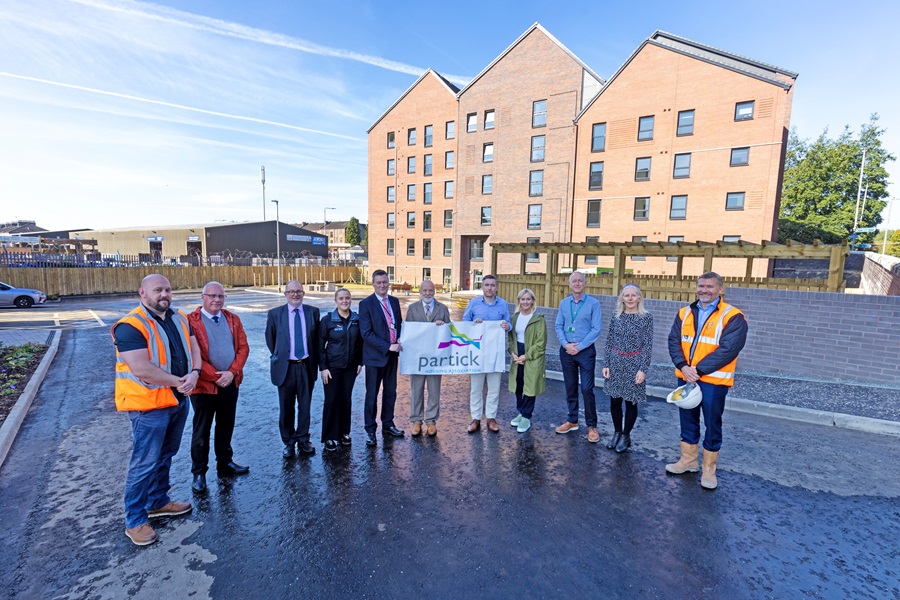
[712, 406]
[155, 438]
[584, 364]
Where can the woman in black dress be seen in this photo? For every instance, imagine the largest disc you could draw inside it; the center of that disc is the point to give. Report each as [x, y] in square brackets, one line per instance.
[629, 346]
[340, 361]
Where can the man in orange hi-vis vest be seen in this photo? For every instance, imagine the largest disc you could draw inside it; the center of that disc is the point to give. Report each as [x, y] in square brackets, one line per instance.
[704, 344]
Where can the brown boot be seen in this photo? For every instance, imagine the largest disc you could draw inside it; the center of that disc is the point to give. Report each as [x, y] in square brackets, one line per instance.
[708, 477]
[416, 429]
[688, 461]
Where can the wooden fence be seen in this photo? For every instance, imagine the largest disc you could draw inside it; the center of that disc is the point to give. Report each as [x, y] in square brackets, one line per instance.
[111, 280]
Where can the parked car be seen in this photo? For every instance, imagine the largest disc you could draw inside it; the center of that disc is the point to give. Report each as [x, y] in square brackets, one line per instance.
[21, 297]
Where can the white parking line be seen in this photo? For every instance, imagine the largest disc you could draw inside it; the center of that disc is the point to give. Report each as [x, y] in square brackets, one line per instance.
[56, 319]
[99, 320]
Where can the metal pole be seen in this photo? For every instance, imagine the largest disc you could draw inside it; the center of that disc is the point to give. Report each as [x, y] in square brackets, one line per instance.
[262, 172]
[327, 208]
[278, 242]
[858, 195]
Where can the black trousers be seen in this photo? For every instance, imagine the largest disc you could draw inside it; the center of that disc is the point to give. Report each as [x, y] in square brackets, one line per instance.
[222, 408]
[338, 403]
[295, 389]
[524, 404]
[376, 377]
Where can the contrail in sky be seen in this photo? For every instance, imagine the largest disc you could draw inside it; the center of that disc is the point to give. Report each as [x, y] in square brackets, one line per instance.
[242, 32]
[178, 106]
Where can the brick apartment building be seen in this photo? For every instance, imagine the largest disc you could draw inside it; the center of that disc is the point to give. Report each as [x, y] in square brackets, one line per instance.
[683, 142]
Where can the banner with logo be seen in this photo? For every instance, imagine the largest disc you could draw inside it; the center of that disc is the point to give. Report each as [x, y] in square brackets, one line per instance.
[452, 349]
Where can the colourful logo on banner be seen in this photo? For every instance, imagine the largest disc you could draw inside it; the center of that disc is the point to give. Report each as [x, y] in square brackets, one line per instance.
[459, 339]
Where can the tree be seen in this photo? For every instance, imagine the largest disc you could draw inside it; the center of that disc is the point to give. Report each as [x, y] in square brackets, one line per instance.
[821, 180]
[351, 232]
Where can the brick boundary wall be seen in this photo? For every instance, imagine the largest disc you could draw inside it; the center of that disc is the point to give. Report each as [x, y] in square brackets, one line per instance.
[810, 335]
[881, 275]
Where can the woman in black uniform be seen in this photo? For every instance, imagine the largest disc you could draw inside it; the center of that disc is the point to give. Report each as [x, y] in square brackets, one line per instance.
[340, 352]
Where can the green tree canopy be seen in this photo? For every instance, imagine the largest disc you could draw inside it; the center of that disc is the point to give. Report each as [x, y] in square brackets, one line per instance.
[351, 232]
[821, 180]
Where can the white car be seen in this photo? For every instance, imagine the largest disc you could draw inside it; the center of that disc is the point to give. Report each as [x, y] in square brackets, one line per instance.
[23, 298]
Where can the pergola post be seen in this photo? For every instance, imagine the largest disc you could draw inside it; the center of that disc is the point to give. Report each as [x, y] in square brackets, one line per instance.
[548, 282]
[707, 259]
[679, 266]
[749, 273]
[618, 270]
[522, 258]
[836, 269]
[493, 259]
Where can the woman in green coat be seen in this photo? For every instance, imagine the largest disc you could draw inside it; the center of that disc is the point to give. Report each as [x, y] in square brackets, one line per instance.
[527, 346]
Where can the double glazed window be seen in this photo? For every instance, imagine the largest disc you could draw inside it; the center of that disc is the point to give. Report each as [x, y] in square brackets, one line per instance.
[539, 114]
[596, 178]
[685, 123]
[645, 128]
[598, 137]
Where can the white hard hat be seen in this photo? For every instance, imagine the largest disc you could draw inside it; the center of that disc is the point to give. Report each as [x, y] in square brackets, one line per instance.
[686, 396]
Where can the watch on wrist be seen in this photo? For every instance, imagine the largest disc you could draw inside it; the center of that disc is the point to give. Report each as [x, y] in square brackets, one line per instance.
[198, 371]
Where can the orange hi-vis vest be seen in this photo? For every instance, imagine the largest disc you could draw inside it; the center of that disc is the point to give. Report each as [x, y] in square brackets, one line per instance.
[707, 341]
[131, 392]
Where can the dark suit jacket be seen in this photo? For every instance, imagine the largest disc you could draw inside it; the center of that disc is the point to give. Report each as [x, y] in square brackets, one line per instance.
[375, 333]
[278, 339]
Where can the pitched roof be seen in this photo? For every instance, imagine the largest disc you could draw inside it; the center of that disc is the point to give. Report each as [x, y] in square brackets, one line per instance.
[452, 89]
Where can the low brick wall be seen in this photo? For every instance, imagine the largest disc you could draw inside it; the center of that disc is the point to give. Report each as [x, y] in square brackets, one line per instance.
[881, 275]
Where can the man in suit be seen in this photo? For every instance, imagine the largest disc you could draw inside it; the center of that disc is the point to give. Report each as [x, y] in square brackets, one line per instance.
[428, 310]
[379, 322]
[292, 333]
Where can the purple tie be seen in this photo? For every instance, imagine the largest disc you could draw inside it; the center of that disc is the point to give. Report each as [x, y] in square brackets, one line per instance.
[390, 320]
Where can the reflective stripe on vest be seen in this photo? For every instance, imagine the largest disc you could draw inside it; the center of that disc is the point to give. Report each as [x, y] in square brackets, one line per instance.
[707, 342]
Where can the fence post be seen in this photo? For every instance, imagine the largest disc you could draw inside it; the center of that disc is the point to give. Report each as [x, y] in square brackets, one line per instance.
[836, 269]
[548, 281]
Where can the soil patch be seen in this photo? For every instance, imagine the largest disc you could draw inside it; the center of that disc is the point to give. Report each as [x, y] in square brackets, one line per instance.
[17, 365]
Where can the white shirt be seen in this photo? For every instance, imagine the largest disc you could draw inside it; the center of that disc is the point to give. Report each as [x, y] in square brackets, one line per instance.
[521, 324]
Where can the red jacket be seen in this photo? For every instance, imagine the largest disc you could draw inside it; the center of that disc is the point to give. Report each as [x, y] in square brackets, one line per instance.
[207, 382]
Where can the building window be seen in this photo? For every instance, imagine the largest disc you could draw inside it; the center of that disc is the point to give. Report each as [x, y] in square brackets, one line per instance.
[449, 159]
[390, 247]
[642, 208]
[410, 247]
[685, 123]
[426, 249]
[390, 220]
[476, 250]
[682, 166]
[537, 148]
[534, 216]
[734, 201]
[645, 128]
[390, 193]
[390, 166]
[593, 213]
[426, 193]
[487, 153]
[448, 247]
[450, 130]
[642, 169]
[411, 192]
[487, 184]
[678, 209]
[672, 240]
[411, 137]
[596, 179]
[426, 220]
[743, 111]
[411, 164]
[489, 119]
[598, 137]
[591, 259]
[536, 183]
[539, 114]
[740, 157]
[448, 189]
[390, 272]
[448, 218]
[731, 239]
[471, 122]
[410, 220]
[637, 239]
[448, 275]
[426, 272]
[429, 135]
[485, 215]
[390, 139]
[532, 257]
[428, 164]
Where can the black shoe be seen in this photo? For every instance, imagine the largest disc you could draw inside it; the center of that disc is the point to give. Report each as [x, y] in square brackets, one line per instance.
[232, 468]
[288, 451]
[370, 439]
[306, 448]
[624, 443]
[392, 431]
[346, 440]
[331, 445]
[199, 484]
[614, 441]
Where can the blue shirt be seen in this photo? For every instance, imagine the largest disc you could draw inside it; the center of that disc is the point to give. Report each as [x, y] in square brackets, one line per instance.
[584, 329]
[703, 313]
[479, 309]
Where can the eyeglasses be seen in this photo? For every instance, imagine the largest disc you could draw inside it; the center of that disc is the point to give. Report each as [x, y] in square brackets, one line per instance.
[216, 296]
[294, 292]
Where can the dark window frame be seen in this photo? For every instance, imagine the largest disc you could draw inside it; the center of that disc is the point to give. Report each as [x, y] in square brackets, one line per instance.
[737, 110]
[672, 209]
[642, 135]
[532, 184]
[411, 136]
[675, 167]
[471, 127]
[538, 115]
[598, 212]
[540, 217]
[595, 137]
[594, 182]
[542, 148]
[645, 210]
[411, 220]
[679, 126]
[742, 149]
[638, 170]
[491, 112]
[428, 133]
[487, 178]
[728, 197]
[486, 216]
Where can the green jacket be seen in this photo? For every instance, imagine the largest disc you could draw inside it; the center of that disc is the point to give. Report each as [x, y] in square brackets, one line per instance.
[535, 360]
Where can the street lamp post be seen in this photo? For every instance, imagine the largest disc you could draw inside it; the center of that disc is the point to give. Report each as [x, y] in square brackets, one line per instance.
[262, 174]
[325, 219]
[277, 243]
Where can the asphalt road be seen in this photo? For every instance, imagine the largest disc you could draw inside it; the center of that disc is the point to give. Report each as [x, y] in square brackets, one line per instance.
[801, 510]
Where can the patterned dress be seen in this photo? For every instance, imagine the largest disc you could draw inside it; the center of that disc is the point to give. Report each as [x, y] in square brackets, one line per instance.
[629, 346]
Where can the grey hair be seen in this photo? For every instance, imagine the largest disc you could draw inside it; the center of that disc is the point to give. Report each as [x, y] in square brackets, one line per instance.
[212, 283]
[620, 302]
[713, 275]
[574, 273]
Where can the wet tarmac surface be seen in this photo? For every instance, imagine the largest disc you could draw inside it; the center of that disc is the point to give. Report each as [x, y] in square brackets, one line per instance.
[801, 511]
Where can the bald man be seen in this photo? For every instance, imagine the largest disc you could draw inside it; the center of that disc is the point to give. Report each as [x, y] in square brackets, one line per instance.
[428, 310]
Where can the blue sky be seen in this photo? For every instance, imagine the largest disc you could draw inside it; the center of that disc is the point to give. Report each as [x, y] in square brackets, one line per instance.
[117, 113]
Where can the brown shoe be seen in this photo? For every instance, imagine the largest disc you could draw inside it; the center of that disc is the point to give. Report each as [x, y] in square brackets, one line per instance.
[172, 509]
[416, 429]
[492, 425]
[567, 427]
[142, 535]
[474, 426]
[432, 429]
[593, 435]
